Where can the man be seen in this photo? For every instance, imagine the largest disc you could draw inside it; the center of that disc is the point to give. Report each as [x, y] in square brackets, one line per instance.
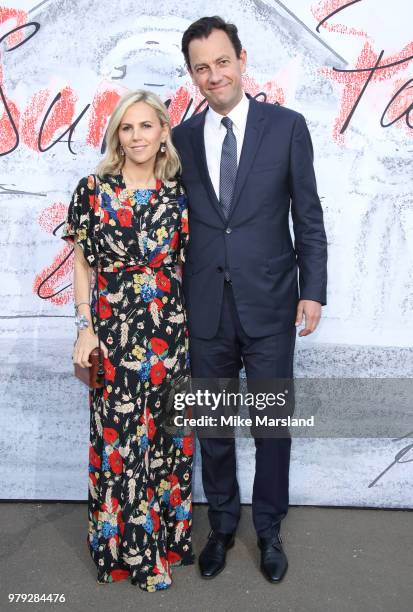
[245, 165]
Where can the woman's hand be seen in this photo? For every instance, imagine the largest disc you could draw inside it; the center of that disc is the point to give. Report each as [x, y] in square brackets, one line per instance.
[85, 343]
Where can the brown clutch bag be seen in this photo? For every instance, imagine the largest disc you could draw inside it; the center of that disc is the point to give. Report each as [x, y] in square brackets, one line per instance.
[92, 376]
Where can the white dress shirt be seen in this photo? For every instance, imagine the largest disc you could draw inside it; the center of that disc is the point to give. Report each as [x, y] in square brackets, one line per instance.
[215, 132]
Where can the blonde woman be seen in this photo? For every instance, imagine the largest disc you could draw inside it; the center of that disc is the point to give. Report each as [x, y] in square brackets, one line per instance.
[139, 476]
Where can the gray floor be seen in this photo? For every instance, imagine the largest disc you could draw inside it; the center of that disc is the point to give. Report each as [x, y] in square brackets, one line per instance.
[340, 559]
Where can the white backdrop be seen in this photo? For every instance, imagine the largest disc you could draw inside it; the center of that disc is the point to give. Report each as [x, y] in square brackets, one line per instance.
[66, 65]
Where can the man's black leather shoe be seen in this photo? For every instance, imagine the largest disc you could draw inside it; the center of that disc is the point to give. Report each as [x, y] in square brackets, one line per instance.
[212, 558]
[273, 559]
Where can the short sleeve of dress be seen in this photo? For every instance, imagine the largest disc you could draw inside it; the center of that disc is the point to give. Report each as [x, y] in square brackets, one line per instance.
[184, 231]
[79, 224]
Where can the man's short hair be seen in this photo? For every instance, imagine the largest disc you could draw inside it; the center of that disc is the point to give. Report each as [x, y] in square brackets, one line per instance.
[203, 28]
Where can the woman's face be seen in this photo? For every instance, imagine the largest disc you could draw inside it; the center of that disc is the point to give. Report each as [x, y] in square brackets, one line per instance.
[141, 133]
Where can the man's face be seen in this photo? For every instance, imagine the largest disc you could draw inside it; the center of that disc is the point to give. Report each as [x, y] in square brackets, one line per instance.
[217, 71]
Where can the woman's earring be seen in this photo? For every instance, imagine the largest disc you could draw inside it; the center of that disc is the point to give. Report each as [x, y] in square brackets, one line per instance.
[122, 152]
[163, 147]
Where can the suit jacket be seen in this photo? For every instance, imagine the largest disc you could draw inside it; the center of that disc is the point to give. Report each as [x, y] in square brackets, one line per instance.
[268, 272]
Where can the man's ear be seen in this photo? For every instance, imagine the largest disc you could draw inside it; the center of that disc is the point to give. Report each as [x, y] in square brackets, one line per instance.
[243, 60]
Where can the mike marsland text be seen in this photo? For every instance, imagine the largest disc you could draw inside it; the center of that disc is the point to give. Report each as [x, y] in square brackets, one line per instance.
[237, 421]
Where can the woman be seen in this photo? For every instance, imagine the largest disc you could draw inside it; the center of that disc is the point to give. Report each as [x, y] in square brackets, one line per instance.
[139, 475]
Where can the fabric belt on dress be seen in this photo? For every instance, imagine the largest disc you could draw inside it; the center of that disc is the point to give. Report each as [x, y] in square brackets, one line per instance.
[137, 268]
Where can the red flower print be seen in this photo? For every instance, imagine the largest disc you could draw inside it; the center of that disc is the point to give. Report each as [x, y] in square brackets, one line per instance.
[188, 445]
[153, 198]
[94, 458]
[184, 225]
[105, 217]
[93, 202]
[109, 370]
[149, 493]
[164, 563]
[158, 373]
[175, 498]
[162, 282]
[105, 394]
[159, 346]
[116, 462]
[174, 241]
[105, 309]
[110, 435]
[121, 523]
[163, 567]
[155, 520]
[119, 574]
[93, 478]
[115, 505]
[173, 557]
[124, 216]
[102, 282]
[158, 303]
[157, 260]
[151, 428]
[173, 479]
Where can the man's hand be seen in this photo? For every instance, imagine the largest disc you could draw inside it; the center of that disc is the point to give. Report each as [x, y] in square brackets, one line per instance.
[311, 311]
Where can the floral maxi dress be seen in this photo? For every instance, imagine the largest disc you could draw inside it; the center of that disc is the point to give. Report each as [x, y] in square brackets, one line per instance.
[139, 509]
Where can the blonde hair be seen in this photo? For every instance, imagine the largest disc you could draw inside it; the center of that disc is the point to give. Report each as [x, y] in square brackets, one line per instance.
[167, 164]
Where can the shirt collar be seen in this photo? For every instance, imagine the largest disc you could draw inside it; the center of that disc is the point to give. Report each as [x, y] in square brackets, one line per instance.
[238, 115]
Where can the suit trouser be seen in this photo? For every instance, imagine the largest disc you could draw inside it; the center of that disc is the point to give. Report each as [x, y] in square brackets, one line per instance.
[222, 356]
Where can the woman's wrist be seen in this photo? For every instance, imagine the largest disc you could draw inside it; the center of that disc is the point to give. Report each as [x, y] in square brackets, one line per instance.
[87, 331]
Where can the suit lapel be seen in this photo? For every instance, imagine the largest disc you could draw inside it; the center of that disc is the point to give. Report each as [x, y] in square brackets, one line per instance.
[254, 130]
[198, 145]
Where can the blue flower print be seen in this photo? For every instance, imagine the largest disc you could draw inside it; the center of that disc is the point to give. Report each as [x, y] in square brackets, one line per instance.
[144, 442]
[144, 371]
[181, 514]
[142, 196]
[181, 202]
[147, 293]
[105, 461]
[148, 525]
[95, 542]
[178, 442]
[107, 204]
[109, 530]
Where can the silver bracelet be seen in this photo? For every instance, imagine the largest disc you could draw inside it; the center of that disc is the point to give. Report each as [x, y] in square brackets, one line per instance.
[81, 322]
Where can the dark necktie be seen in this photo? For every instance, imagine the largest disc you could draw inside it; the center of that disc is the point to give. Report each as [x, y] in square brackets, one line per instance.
[228, 170]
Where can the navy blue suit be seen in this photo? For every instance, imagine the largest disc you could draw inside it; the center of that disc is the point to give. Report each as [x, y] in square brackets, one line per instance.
[250, 321]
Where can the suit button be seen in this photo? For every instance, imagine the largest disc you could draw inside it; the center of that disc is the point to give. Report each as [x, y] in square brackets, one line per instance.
[220, 269]
[228, 230]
